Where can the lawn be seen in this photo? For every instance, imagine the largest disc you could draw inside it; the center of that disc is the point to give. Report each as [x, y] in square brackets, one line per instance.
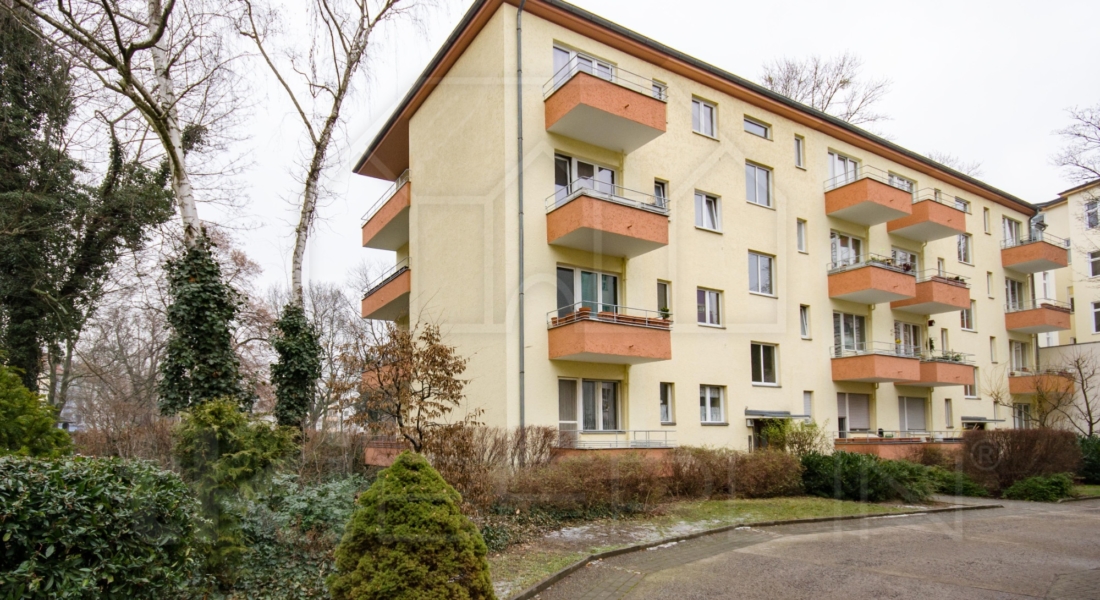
[522, 565]
[1086, 490]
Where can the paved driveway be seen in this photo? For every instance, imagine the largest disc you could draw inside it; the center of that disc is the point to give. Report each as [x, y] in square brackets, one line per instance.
[1024, 550]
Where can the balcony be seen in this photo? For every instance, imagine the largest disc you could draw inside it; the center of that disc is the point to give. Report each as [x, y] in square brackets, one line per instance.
[934, 217]
[606, 219]
[896, 445]
[1037, 252]
[617, 110]
[587, 332]
[937, 292]
[1046, 383]
[386, 224]
[871, 279]
[621, 439]
[876, 362]
[1037, 316]
[866, 197]
[387, 298]
[945, 368]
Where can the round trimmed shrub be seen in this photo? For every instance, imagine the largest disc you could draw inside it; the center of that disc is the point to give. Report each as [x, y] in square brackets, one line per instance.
[93, 528]
[408, 540]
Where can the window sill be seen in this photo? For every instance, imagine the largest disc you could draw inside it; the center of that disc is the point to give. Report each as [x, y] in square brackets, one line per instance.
[668, 423]
[767, 206]
[715, 424]
[808, 339]
[706, 135]
[701, 228]
[968, 330]
[963, 262]
[800, 167]
[602, 431]
[806, 252]
[772, 296]
[766, 385]
[972, 397]
[711, 326]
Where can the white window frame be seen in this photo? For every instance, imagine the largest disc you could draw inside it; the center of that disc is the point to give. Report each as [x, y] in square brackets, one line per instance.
[599, 180]
[799, 151]
[699, 108]
[660, 191]
[903, 257]
[601, 301]
[1021, 416]
[800, 235]
[1015, 293]
[660, 90]
[667, 403]
[963, 205]
[966, 318]
[965, 242]
[707, 396]
[857, 341]
[1018, 355]
[845, 255]
[808, 405]
[1096, 317]
[989, 283]
[758, 350]
[1094, 264]
[804, 322]
[903, 412]
[761, 260]
[749, 121]
[703, 201]
[901, 182]
[664, 294]
[843, 169]
[993, 349]
[712, 303]
[1011, 229]
[985, 220]
[596, 67]
[948, 414]
[908, 338]
[753, 197]
[971, 391]
[1092, 214]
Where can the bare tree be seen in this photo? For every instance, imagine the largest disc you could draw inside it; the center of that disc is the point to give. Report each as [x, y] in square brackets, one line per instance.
[317, 78]
[972, 168]
[1080, 154]
[1080, 373]
[1048, 405]
[832, 85]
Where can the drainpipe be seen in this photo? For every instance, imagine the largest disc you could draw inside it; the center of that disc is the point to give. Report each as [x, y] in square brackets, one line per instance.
[519, 164]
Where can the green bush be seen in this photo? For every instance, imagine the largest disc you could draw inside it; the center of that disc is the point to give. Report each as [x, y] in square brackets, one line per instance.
[93, 528]
[955, 483]
[1090, 459]
[863, 477]
[1041, 489]
[409, 540]
[28, 426]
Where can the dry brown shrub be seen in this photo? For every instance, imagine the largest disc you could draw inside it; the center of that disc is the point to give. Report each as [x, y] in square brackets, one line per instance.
[327, 454]
[591, 482]
[767, 474]
[998, 458]
[149, 437]
[935, 456]
[700, 472]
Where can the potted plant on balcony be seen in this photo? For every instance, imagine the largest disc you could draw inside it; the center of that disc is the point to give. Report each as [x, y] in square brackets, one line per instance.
[665, 313]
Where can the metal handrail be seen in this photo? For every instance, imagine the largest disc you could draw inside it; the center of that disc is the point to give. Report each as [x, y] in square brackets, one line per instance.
[948, 356]
[620, 77]
[899, 435]
[864, 172]
[389, 193]
[880, 348]
[387, 276]
[943, 277]
[1036, 236]
[871, 260]
[1022, 305]
[627, 438]
[586, 186]
[1029, 372]
[934, 195]
[608, 313]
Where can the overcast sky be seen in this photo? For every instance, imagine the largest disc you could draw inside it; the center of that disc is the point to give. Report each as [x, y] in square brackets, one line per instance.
[986, 81]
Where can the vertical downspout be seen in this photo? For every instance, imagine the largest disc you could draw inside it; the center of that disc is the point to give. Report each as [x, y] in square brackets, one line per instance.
[519, 164]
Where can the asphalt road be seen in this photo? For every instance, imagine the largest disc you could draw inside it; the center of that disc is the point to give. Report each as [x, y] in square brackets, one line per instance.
[1024, 550]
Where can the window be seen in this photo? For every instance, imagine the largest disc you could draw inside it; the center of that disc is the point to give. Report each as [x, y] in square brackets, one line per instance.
[763, 364]
[1011, 231]
[845, 249]
[800, 234]
[902, 183]
[579, 289]
[711, 408]
[1092, 215]
[941, 267]
[907, 338]
[804, 321]
[707, 212]
[1021, 416]
[571, 175]
[854, 412]
[1094, 264]
[992, 349]
[1018, 355]
[989, 284]
[944, 345]
[660, 192]
[568, 63]
[948, 416]
[963, 205]
[967, 318]
[761, 274]
[599, 406]
[912, 412]
[664, 299]
[964, 248]
[708, 301]
[905, 259]
[800, 152]
[757, 128]
[971, 390]
[985, 219]
[758, 184]
[567, 411]
[808, 405]
[1014, 294]
[660, 90]
[842, 170]
[666, 403]
[703, 117]
[1096, 317]
[849, 333]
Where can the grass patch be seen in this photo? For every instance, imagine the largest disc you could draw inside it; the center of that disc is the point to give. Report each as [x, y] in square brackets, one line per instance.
[1086, 490]
[731, 512]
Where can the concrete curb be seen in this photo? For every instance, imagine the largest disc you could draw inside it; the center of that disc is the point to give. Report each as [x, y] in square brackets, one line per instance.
[1078, 499]
[541, 586]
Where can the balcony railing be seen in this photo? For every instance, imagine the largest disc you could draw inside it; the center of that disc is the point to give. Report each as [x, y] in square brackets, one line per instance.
[620, 77]
[1029, 372]
[934, 195]
[880, 436]
[943, 277]
[608, 313]
[388, 276]
[1036, 236]
[401, 181]
[879, 348]
[634, 438]
[865, 172]
[948, 356]
[609, 192]
[875, 260]
[1022, 305]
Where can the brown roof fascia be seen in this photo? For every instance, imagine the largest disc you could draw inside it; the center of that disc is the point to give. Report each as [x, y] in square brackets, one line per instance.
[1080, 188]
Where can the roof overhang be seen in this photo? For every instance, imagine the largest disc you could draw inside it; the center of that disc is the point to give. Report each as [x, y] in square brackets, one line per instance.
[1080, 188]
[773, 414]
[387, 155]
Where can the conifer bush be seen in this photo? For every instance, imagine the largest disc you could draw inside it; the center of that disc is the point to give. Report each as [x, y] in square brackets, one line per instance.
[408, 540]
[28, 425]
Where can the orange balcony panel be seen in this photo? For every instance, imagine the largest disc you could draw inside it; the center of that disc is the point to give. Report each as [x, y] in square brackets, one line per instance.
[1031, 384]
[1044, 319]
[615, 343]
[868, 202]
[876, 368]
[1034, 257]
[604, 114]
[936, 295]
[930, 220]
[388, 228]
[871, 284]
[390, 300]
[607, 228]
[939, 373]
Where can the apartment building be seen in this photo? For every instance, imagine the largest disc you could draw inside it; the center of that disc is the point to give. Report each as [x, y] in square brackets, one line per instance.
[642, 249]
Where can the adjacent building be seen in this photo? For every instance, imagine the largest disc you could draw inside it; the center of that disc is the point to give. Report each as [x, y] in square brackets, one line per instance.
[642, 249]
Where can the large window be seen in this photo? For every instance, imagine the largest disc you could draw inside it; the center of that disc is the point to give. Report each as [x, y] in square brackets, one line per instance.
[804, 321]
[666, 403]
[849, 333]
[1014, 294]
[967, 318]
[963, 205]
[965, 251]
[711, 405]
[902, 183]
[709, 302]
[758, 184]
[761, 274]
[1018, 355]
[1021, 416]
[1011, 230]
[912, 413]
[907, 338]
[842, 169]
[845, 249]
[799, 151]
[704, 117]
[763, 364]
[599, 405]
[578, 288]
[905, 259]
[571, 175]
[800, 234]
[568, 62]
[708, 213]
[1092, 214]
[853, 412]
[757, 128]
